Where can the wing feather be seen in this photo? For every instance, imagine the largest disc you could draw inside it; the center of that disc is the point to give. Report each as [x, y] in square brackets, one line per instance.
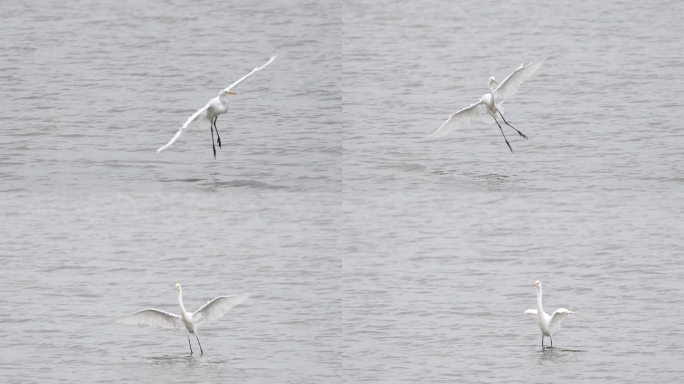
[557, 316]
[185, 125]
[256, 69]
[202, 110]
[460, 119]
[152, 317]
[218, 307]
[510, 85]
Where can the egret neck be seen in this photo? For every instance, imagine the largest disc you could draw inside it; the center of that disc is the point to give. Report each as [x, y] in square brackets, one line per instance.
[540, 308]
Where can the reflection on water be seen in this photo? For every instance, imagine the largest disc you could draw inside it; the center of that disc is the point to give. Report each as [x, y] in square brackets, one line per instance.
[440, 172]
[188, 360]
[255, 184]
[557, 354]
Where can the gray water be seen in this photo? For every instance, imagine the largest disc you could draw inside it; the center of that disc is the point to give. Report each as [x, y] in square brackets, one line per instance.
[371, 253]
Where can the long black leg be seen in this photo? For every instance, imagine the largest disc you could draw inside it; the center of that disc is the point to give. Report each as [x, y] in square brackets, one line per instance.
[200, 344]
[551, 341]
[542, 340]
[211, 128]
[519, 133]
[190, 345]
[504, 136]
[217, 134]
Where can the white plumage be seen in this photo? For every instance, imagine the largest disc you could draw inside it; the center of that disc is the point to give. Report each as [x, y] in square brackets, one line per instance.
[490, 104]
[547, 324]
[212, 310]
[214, 107]
[217, 308]
[154, 318]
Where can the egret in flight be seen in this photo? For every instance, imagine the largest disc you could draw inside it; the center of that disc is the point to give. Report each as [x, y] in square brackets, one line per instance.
[212, 310]
[215, 107]
[490, 104]
[547, 324]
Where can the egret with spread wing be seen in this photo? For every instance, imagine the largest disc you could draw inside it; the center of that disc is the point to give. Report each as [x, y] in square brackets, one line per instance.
[215, 107]
[212, 310]
[547, 324]
[490, 104]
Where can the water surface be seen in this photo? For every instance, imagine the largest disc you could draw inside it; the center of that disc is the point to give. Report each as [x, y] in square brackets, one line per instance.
[372, 254]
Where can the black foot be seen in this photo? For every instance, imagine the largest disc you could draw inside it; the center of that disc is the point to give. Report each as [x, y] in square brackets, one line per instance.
[214, 148]
[522, 135]
[219, 141]
[509, 146]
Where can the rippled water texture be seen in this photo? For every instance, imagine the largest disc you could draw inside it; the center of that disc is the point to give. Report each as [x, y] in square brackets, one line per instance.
[372, 254]
[442, 240]
[96, 225]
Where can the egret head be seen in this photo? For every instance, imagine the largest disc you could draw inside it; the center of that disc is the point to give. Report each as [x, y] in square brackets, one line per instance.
[178, 287]
[537, 284]
[491, 82]
[229, 93]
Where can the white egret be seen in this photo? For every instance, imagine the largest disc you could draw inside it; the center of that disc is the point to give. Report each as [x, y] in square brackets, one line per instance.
[547, 324]
[214, 107]
[212, 310]
[490, 103]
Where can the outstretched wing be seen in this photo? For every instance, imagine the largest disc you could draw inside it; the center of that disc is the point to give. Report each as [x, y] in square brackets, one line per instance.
[185, 125]
[240, 80]
[152, 317]
[202, 110]
[557, 316]
[510, 85]
[218, 307]
[460, 119]
[532, 312]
